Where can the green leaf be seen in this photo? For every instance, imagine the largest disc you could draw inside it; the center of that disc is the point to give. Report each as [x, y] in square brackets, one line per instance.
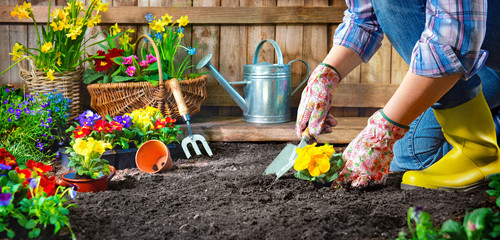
[91, 76]
[21, 219]
[13, 176]
[122, 78]
[30, 224]
[10, 233]
[152, 67]
[64, 211]
[494, 177]
[105, 79]
[34, 233]
[118, 60]
[303, 175]
[453, 230]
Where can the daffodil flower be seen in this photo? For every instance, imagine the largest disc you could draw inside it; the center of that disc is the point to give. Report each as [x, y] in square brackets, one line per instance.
[50, 75]
[183, 21]
[17, 51]
[46, 47]
[115, 29]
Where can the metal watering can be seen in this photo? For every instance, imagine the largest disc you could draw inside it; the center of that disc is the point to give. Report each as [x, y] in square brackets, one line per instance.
[267, 87]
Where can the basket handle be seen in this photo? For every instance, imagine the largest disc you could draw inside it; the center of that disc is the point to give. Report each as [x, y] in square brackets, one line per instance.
[157, 53]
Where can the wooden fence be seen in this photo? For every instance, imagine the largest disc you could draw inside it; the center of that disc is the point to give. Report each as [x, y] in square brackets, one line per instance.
[231, 30]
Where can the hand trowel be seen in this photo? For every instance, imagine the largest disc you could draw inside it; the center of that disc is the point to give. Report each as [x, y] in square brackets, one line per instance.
[286, 159]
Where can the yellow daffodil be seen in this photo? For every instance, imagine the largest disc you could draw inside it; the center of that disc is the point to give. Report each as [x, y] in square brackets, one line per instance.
[17, 51]
[101, 7]
[23, 11]
[115, 29]
[166, 19]
[46, 47]
[74, 32]
[183, 21]
[94, 21]
[58, 57]
[157, 26]
[50, 74]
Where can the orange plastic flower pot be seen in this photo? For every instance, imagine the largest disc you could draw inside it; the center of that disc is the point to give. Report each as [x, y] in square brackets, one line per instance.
[86, 185]
[153, 157]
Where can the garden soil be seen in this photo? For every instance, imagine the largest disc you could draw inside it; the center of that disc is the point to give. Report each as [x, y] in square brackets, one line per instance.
[227, 196]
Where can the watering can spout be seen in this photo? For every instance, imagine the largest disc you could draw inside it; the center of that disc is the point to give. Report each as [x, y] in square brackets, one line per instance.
[205, 62]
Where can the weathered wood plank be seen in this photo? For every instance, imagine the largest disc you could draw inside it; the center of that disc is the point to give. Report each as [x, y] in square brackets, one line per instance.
[346, 95]
[206, 15]
[236, 130]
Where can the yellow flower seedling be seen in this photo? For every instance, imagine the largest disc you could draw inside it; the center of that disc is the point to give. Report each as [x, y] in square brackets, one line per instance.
[314, 159]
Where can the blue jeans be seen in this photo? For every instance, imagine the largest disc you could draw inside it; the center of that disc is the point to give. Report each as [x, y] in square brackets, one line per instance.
[424, 144]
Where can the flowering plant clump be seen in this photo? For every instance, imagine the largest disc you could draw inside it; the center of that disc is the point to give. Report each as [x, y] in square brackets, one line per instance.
[61, 44]
[167, 35]
[92, 135]
[117, 63]
[31, 125]
[480, 223]
[149, 124]
[29, 195]
[317, 163]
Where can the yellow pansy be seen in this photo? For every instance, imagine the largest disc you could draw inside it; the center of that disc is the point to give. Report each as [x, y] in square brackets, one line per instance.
[151, 111]
[115, 29]
[81, 147]
[183, 21]
[17, 51]
[50, 74]
[46, 47]
[315, 159]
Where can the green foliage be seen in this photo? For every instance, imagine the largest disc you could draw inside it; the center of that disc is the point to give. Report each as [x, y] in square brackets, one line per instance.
[31, 125]
[336, 162]
[30, 198]
[481, 223]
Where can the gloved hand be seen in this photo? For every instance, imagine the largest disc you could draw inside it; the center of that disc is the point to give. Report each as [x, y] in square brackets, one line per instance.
[368, 157]
[316, 99]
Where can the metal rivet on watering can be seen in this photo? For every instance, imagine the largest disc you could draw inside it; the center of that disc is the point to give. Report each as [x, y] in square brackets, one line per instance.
[267, 87]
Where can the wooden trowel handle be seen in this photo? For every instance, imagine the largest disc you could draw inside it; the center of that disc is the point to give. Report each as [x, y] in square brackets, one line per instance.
[306, 134]
[176, 90]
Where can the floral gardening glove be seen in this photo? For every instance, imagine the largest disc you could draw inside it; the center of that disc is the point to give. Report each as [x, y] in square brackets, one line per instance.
[368, 157]
[315, 100]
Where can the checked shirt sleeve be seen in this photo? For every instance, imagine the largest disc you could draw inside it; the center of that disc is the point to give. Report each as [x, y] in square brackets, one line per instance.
[360, 30]
[451, 41]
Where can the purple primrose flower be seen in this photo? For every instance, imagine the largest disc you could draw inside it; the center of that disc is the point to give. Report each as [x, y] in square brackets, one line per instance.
[5, 199]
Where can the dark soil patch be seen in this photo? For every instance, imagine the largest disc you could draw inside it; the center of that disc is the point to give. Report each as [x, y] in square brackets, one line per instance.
[228, 197]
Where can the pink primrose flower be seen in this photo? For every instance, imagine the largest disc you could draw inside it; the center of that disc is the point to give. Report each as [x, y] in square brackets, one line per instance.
[130, 70]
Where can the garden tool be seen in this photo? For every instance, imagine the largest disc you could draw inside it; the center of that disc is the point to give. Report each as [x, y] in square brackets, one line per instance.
[286, 159]
[183, 111]
[267, 87]
[470, 129]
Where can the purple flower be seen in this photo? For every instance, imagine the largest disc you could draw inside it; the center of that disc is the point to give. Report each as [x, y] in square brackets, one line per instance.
[49, 120]
[7, 90]
[39, 146]
[11, 110]
[5, 167]
[128, 60]
[5, 199]
[88, 118]
[151, 59]
[44, 135]
[130, 70]
[9, 119]
[125, 120]
[33, 182]
[27, 110]
[58, 155]
[33, 112]
[5, 101]
[143, 63]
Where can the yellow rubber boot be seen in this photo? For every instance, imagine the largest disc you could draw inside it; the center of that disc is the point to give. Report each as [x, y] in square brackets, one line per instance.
[469, 128]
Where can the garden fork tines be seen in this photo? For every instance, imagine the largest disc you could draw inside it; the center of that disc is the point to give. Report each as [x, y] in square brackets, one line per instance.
[183, 111]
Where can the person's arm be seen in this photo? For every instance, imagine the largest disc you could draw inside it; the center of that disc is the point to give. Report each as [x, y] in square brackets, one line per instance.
[356, 40]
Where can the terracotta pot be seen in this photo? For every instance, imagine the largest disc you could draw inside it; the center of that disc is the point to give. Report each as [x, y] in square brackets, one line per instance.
[86, 185]
[153, 157]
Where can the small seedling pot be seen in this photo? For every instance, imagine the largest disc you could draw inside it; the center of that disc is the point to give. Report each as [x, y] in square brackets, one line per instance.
[153, 157]
[86, 185]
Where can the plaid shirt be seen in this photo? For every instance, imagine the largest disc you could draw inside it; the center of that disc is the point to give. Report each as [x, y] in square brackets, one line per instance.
[450, 43]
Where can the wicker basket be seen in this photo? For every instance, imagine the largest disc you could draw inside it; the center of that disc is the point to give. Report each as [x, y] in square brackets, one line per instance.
[69, 83]
[120, 98]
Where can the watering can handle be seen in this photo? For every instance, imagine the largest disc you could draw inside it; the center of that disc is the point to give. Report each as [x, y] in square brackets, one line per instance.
[305, 79]
[276, 47]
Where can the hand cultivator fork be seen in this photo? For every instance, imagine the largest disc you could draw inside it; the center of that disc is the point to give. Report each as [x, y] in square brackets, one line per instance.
[183, 110]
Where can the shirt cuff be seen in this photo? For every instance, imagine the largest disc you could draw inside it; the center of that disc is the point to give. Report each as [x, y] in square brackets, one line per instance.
[439, 60]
